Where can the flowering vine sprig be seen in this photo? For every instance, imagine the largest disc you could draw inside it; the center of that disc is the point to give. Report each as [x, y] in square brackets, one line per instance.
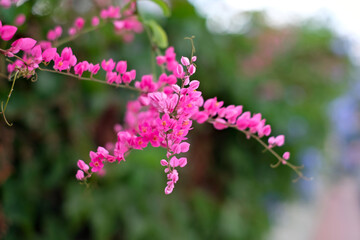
[163, 113]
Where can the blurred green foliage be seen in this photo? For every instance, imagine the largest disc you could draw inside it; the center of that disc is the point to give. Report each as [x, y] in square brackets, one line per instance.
[227, 191]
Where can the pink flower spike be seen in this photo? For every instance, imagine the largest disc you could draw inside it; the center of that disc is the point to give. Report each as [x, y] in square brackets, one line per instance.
[95, 21]
[83, 166]
[164, 163]
[80, 175]
[20, 19]
[185, 61]
[286, 155]
[7, 32]
[193, 59]
[192, 69]
[79, 23]
[121, 67]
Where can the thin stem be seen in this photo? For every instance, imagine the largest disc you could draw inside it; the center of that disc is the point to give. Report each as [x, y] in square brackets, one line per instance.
[3, 108]
[89, 79]
[71, 38]
[267, 148]
[89, 29]
[155, 51]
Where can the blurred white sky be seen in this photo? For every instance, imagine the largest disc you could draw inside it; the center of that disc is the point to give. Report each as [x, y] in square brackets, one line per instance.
[342, 15]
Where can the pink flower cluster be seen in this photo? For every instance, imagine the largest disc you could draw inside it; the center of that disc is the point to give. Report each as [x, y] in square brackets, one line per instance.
[163, 114]
[165, 109]
[120, 75]
[124, 25]
[35, 53]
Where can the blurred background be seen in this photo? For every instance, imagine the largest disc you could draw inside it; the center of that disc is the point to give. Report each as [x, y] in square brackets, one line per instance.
[295, 64]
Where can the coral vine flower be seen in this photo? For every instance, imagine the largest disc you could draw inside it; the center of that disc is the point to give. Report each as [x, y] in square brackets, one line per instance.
[7, 32]
[20, 19]
[108, 65]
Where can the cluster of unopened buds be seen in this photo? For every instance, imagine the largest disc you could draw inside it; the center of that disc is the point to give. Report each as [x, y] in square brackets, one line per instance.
[163, 113]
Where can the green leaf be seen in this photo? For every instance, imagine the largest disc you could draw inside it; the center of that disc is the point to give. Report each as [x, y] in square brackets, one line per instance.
[164, 6]
[159, 36]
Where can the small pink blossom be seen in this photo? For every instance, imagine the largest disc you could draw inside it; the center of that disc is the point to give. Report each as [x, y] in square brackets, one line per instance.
[93, 69]
[286, 155]
[80, 175]
[95, 21]
[79, 23]
[20, 19]
[7, 32]
[49, 54]
[72, 31]
[108, 65]
[185, 61]
[83, 166]
[121, 67]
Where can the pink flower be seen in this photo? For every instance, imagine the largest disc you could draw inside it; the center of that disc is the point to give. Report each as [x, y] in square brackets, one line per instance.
[160, 60]
[121, 67]
[146, 84]
[7, 32]
[83, 166]
[111, 77]
[60, 64]
[185, 61]
[220, 124]
[79, 23]
[164, 163]
[51, 35]
[286, 155]
[80, 175]
[108, 65]
[72, 31]
[192, 69]
[243, 121]
[24, 44]
[20, 19]
[93, 69]
[81, 67]
[95, 21]
[58, 31]
[212, 106]
[96, 164]
[49, 54]
[119, 25]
